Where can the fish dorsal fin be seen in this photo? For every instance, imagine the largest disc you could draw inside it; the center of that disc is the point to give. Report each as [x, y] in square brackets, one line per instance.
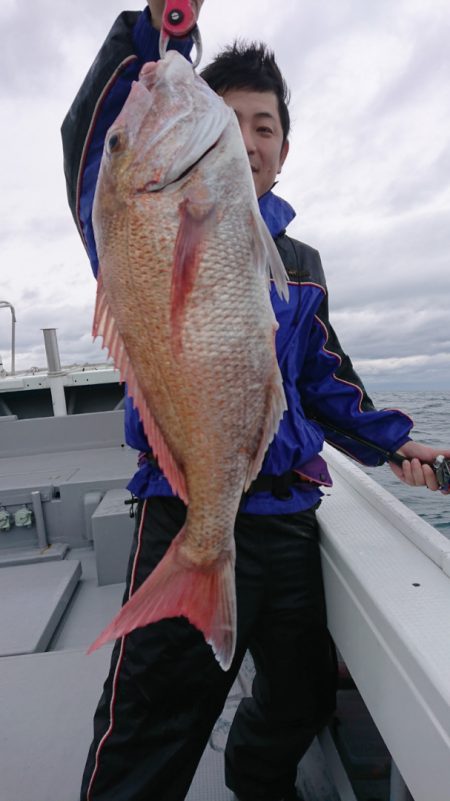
[105, 326]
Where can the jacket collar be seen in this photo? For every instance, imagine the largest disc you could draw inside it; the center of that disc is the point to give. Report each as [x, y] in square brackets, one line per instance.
[276, 213]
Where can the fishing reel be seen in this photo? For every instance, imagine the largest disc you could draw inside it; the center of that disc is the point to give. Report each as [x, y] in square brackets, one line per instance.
[441, 468]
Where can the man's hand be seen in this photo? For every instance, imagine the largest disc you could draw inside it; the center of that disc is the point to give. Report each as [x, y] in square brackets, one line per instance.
[157, 9]
[417, 470]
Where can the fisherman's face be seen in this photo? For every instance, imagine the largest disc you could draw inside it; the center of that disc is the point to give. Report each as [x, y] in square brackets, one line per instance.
[260, 124]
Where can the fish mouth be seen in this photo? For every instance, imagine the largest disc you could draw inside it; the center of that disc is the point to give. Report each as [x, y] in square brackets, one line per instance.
[156, 186]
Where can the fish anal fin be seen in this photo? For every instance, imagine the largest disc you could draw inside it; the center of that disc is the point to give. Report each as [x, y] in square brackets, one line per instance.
[276, 406]
[105, 326]
[204, 595]
[196, 217]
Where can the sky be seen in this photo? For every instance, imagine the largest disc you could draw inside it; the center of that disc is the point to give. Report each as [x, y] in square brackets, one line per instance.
[368, 170]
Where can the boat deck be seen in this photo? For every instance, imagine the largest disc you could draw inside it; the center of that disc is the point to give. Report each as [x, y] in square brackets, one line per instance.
[387, 579]
[47, 699]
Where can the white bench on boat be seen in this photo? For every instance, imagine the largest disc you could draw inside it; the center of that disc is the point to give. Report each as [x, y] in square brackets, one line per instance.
[33, 601]
[112, 532]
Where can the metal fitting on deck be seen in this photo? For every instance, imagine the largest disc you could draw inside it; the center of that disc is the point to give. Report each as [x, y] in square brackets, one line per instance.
[23, 518]
[5, 520]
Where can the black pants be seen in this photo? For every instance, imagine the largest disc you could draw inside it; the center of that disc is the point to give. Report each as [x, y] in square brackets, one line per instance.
[165, 689]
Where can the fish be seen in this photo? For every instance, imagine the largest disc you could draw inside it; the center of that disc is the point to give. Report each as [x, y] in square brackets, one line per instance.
[183, 308]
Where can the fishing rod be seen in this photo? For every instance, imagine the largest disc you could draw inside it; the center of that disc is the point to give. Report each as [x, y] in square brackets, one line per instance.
[441, 465]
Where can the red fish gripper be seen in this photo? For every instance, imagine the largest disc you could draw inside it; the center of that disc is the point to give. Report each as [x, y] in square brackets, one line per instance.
[179, 21]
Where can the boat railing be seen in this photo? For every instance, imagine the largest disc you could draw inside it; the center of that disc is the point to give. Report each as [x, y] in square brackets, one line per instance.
[4, 304]
[387, 584]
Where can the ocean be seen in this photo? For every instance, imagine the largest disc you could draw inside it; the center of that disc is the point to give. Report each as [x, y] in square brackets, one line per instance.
[431, 414]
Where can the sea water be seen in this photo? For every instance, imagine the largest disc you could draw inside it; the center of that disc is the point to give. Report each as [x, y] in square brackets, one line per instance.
[431, 414]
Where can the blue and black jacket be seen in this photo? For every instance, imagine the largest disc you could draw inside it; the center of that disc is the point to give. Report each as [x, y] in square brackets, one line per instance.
[319, 380]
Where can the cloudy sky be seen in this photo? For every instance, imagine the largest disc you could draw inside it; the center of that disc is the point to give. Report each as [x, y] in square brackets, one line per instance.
[368, 171]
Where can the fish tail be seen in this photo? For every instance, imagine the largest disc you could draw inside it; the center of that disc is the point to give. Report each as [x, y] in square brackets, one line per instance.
[205, 595]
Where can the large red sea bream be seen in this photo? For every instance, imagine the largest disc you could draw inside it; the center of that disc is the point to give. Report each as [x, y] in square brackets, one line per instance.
[183, 308]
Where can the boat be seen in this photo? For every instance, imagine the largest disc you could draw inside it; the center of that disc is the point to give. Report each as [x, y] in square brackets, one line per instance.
[65, 533]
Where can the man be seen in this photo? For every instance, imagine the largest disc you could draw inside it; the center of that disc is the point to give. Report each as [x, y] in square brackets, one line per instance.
[165, 690]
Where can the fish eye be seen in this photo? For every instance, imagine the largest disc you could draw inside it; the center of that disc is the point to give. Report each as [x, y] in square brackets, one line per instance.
[114, 143]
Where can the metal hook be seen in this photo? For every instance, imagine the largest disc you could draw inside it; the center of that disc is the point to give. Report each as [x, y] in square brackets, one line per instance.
[198, 46]
[164, 39]
[163, 42]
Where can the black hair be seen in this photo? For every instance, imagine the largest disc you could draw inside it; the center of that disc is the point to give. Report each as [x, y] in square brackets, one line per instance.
[245, 65]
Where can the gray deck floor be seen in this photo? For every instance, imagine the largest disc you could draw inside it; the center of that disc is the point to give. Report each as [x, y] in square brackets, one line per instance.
[90, 609]
[46, 706]
[47, 702]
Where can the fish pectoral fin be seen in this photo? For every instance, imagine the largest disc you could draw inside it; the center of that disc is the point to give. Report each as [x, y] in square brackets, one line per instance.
[268, 257]
[105, 326]
[196, 219]
[205, 595]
